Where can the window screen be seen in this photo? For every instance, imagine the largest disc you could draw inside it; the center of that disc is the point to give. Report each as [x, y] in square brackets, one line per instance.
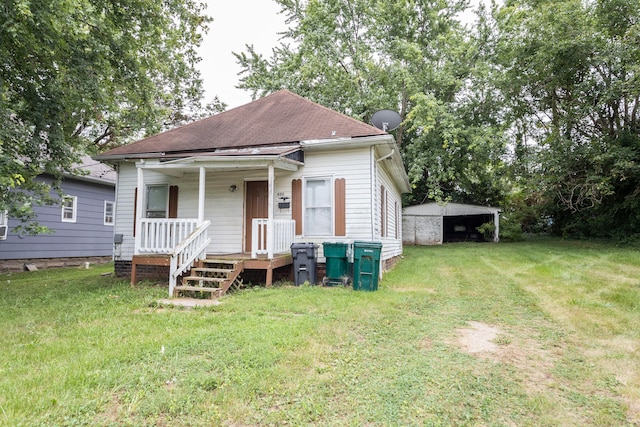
[157, 201]
[69, 208]
[318, 207]
[108, 213]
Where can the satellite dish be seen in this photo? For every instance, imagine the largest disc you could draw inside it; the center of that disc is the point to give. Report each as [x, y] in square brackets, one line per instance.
[387, 120]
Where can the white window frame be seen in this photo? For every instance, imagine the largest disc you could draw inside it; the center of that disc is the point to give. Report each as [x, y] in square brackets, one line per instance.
[113, 212]
[73, 209]
[146, 201]
[306, 206]
[4, 225]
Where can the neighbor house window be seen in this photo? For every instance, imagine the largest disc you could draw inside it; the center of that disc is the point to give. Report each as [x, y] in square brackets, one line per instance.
[108, 212]
[69, 208]
[4, 225]
[318, 208]
[157, 201]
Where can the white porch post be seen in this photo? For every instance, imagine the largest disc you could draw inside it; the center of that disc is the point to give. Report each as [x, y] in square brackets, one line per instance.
[201, 193]
[270, 227]
[140, 209]
[496, 222]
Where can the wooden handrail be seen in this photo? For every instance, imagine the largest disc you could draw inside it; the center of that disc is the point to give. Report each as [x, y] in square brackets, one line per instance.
[186, 252]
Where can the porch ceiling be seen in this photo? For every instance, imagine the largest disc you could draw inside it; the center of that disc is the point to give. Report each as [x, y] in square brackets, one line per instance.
[179, 167]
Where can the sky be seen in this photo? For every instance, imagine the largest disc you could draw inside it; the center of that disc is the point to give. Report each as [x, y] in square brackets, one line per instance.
[235, 24]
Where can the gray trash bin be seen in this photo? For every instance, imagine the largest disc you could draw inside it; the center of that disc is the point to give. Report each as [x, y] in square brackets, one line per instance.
[305, 263]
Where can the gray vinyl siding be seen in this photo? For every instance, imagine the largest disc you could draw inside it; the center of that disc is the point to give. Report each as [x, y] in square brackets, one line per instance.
[88, 236]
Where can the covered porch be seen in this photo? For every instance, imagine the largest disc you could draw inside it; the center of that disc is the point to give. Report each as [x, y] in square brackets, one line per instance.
[231, 221]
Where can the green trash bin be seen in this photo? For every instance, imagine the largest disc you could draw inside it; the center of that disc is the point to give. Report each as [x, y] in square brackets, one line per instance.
[337, 267]
[366, 265]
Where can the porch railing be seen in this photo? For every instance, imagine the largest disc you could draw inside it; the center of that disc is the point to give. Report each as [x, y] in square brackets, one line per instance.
[284, 231]
[192, 248]
[162, 235]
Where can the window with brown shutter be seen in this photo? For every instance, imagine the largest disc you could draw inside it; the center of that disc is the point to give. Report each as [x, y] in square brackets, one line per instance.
[135, 210]
[398, 220]
[316, 207]
[383, 211]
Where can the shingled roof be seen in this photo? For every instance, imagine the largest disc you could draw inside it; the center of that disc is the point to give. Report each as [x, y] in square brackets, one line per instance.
[282, 117]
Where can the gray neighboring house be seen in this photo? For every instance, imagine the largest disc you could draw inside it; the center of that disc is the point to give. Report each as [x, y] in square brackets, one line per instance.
[82, 227]
[434, 224]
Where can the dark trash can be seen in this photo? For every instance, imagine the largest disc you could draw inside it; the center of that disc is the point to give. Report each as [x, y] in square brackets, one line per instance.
[337, 267]
[366, 265]
[305, 263]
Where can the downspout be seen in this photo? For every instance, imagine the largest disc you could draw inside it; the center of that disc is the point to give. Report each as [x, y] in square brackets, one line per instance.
[387, 156]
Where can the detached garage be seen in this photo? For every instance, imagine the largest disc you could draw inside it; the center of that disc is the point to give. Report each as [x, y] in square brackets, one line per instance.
[434, 224]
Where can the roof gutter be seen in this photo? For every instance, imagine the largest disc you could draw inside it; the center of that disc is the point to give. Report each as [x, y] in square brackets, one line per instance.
[351, 142]
[393, 151]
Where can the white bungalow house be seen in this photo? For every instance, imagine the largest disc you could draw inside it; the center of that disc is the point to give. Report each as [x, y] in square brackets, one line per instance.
[243, 185]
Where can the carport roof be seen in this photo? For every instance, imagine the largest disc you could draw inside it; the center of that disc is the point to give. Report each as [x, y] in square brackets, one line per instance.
[449, 209]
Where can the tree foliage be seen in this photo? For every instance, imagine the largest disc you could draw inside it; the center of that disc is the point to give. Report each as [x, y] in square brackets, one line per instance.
[571, 75]
[82, 73]
[359, 56]
[534, 108]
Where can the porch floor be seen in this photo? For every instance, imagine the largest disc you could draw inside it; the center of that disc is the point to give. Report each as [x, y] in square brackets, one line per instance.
[262, 262]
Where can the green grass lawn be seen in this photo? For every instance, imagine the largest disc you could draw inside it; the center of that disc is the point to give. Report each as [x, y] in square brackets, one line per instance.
[81, 349]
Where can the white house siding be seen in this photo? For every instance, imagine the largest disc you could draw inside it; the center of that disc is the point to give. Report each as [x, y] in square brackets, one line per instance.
[225, 209]
[391, 245]
[355, 167]
[125, 201]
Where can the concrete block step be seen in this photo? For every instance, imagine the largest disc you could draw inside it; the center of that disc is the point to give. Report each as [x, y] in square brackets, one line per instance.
[196, 289]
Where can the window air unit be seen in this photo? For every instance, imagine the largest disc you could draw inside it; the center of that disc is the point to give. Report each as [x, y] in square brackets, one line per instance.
[3, 232]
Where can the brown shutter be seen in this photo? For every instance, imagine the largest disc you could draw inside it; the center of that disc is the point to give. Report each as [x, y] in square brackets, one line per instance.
[340, 207]
[398, 220]
[383, 212]
[296, 204]
[135, 210]
[173, 201]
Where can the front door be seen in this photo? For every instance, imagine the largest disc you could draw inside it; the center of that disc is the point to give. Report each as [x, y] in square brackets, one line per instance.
[256, 206]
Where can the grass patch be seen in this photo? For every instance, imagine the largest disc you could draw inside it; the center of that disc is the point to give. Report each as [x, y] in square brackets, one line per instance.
[83, 349]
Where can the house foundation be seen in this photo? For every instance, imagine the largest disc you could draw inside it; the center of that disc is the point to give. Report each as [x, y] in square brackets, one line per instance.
[16, 265]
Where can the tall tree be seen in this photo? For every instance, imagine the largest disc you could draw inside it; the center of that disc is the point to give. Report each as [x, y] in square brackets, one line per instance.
[79, 72]
[358, 56]
[571, 76]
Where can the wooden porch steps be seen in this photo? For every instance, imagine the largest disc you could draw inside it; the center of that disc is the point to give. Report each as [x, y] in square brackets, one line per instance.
[222, 274]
